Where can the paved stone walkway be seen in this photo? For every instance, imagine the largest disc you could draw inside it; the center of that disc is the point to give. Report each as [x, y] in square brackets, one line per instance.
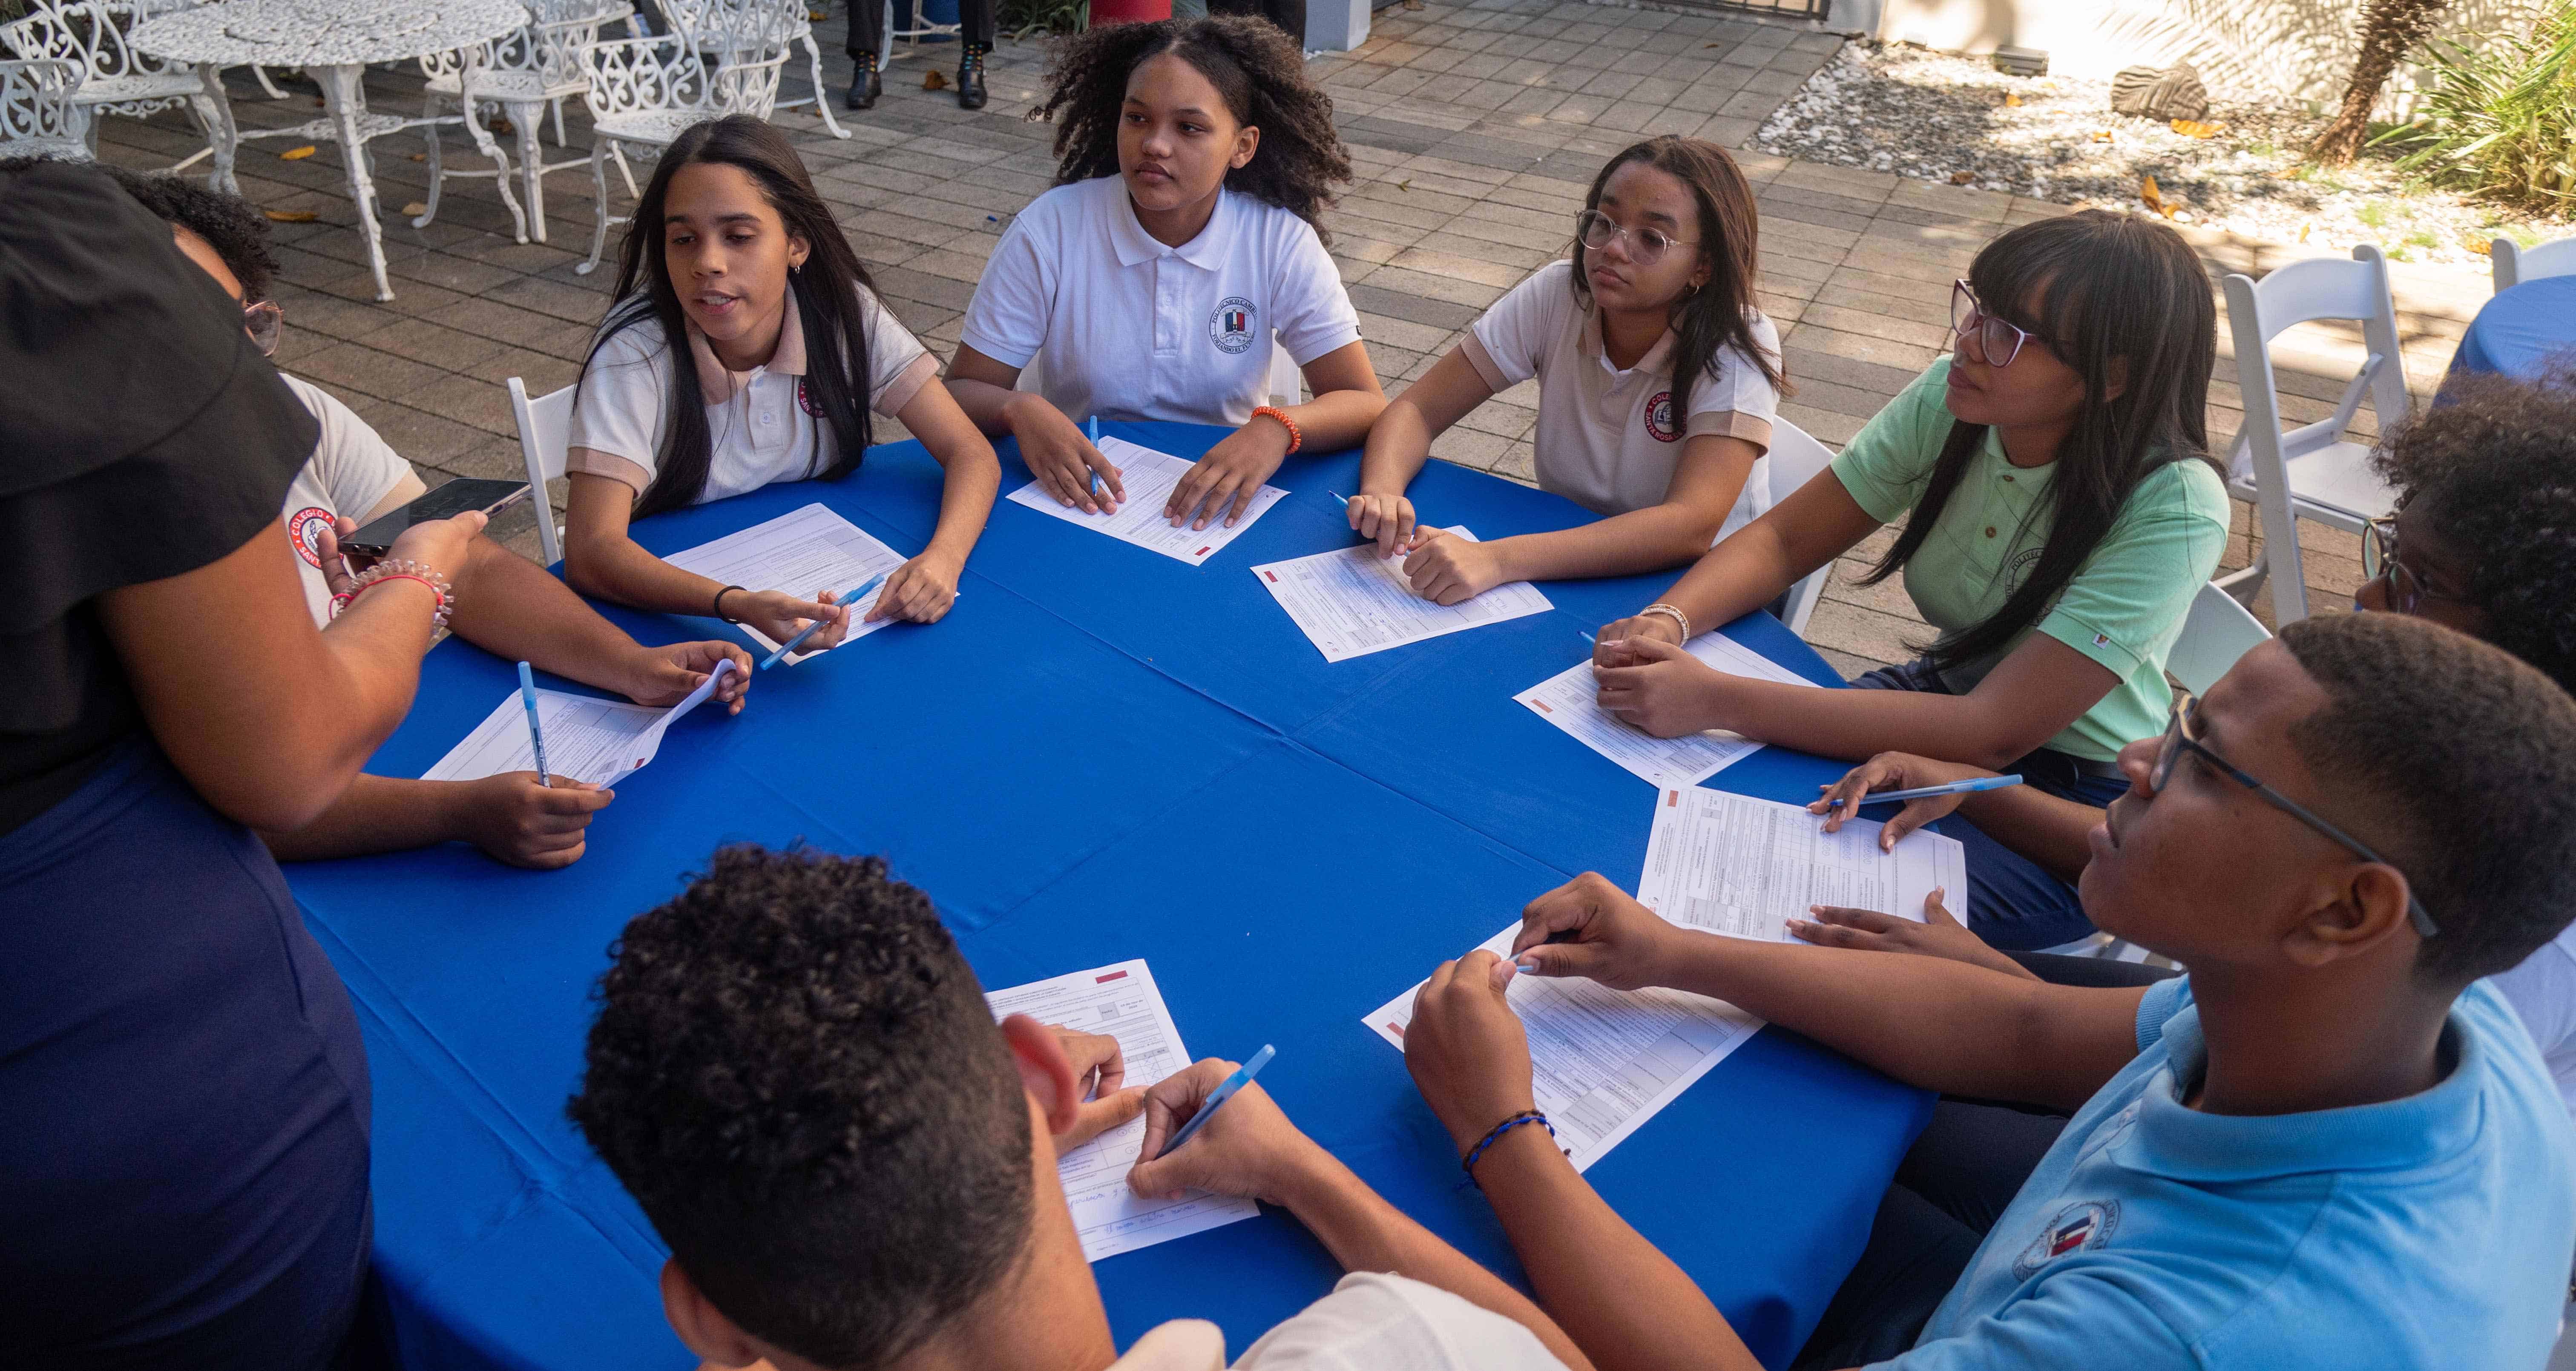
[1474, 128]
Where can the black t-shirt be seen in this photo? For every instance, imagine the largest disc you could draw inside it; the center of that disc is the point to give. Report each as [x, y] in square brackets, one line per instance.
[142, 436]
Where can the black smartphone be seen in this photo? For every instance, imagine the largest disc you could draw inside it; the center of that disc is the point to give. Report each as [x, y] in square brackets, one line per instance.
[446, 502]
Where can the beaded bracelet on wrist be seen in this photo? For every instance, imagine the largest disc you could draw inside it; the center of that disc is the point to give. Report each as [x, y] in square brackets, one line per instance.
[1296, 436]
[401, 569]
[1679, 619]
[1494, 1135]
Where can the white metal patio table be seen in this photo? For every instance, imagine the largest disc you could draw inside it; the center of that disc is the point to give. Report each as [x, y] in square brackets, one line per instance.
[333, 41]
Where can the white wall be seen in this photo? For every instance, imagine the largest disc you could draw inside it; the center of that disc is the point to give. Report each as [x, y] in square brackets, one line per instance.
[2245, 49]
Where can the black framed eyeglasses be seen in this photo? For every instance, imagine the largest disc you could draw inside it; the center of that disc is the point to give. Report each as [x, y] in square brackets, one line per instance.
[264, 320]
[2379, 558]
[1646, 245]
[1998, 342]
[2178, 739]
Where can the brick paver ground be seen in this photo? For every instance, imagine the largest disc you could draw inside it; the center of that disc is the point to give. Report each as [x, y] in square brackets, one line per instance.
[1474, 129]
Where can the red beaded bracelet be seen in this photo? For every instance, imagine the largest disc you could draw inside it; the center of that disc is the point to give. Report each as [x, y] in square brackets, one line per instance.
[1296, 436]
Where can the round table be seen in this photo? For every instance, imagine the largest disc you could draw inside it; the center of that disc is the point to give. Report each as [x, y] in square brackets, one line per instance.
[334, 40]
[2520, 331]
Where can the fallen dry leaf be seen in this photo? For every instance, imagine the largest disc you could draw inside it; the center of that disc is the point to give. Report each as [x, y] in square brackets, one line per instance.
[1712, 45]
[503, 128]
[296, 154]
[2305, 229]
[291, 216]
[2193, 128]
[817, 16]
[2155, 198]
[1405, 185]
[933, 80]
[2101, 135]
[2480, 246]
[420, 157]
[2012, 99]
[415, 209]
[1961, 178]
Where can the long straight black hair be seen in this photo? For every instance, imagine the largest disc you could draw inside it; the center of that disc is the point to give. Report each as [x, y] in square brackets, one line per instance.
[2111, 295]
[824, 293]
[1717, 315]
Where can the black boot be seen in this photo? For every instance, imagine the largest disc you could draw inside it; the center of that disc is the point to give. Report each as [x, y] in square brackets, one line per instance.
[865, 85]
[970, 76]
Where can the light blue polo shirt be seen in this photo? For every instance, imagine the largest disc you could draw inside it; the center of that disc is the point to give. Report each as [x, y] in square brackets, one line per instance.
[2432, 1231]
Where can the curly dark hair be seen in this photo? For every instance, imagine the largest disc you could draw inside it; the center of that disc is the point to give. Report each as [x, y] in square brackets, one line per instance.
[2493, 469]
[231, 225]
[2458, 762]
[1260, 72]
[795, 1074]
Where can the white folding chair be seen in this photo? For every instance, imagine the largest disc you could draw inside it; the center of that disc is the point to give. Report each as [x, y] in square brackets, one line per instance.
[1796, 458]
[2214, 634]
[2515, 264]
[2312, 472]
[545, 431]
[38, 116]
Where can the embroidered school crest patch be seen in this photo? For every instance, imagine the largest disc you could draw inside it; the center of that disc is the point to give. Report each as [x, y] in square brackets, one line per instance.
[304, 529]
[807, 400]
[1659, 418]
[1230, 327]
[2086, 1223]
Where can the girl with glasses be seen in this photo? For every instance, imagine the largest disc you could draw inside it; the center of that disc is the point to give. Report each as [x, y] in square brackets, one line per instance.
[1658, 380]
[2060, 510]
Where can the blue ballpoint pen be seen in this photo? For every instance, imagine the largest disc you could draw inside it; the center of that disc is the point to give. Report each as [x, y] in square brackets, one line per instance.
[1922, 792]
[808, 631]
[1095, 443]
[536, 736]
[1242, 1077]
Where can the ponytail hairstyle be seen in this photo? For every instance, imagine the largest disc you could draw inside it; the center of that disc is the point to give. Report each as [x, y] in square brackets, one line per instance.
[824, 293]
[2111, 295]
[1717, 315]
[1258, 70]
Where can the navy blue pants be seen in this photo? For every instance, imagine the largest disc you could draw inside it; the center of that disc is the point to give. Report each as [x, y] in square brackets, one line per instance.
[2013, 902]
[183, 1094]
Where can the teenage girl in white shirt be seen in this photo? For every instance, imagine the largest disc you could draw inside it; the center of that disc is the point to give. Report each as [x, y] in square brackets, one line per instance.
[1658, 381]
[1181, 235]
[787, 349]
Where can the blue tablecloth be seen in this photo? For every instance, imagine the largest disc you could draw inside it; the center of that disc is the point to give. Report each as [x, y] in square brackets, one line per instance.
[2519, 330]
[1102, 753]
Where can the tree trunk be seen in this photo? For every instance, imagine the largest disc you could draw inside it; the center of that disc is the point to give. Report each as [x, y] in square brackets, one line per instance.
[2389, 29]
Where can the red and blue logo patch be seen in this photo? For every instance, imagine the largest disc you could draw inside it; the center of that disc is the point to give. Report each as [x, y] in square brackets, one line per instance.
[304, 528]
[1659, 418]
[1230, 324]
[2084, 1224]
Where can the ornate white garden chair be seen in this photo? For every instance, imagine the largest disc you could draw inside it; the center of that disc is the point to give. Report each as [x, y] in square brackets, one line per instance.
[37, 115]
[643, 91]
[115, 79]
[707, 15]
[523, 75]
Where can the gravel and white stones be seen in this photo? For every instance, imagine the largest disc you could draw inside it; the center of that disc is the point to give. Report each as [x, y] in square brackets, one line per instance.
[1959, 121]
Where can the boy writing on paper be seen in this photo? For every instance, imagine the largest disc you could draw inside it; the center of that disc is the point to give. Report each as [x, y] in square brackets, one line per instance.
[505, 603]
[855, 1167]
[2326, 1147]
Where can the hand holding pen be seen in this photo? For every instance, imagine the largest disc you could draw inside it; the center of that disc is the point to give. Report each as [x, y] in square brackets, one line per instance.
[1928, 789]
[1238, 1141]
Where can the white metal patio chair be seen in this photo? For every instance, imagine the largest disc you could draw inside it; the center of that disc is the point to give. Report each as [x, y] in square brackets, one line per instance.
[1796, 458]
[643, 91]
[545, 433]
[695, 15]
[525, 75]
[2515, 264]
[2215, 632]
[38, 117]
[115, 79]
[2313, 472]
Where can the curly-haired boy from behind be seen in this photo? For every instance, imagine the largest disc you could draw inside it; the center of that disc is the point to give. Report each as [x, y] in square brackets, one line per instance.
[795, 1074]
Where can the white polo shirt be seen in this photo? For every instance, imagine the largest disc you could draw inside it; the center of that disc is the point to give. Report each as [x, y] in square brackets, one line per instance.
[1608, 439]
[353, 471]
[762, 424]
[1133, 329]
[1370, 1322]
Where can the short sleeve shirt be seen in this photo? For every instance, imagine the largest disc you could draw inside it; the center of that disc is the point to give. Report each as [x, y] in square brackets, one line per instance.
[2127, 602]
[1130, 328]
[2542, 992]
[2432, 1230]
[353, 472]
[1370, 1322]
[1608, 439]
[763, 425]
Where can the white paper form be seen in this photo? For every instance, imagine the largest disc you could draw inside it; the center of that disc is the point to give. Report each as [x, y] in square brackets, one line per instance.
[1148, 477]
[801, 552]
[1354, 602]
[587, 739]
[1569, 698]
[1740, 866]
[1602, 1061]
[1123, 1002]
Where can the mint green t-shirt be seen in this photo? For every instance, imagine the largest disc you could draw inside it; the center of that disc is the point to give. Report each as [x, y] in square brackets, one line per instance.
[2126, 603]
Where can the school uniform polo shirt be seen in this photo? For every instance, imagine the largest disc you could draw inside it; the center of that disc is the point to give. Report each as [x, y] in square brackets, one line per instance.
[353, 471]
[1609, 439]
[1132, 328]
[763, 425]
[1370, 1322]
[2429, 1231]
[2128, 600]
